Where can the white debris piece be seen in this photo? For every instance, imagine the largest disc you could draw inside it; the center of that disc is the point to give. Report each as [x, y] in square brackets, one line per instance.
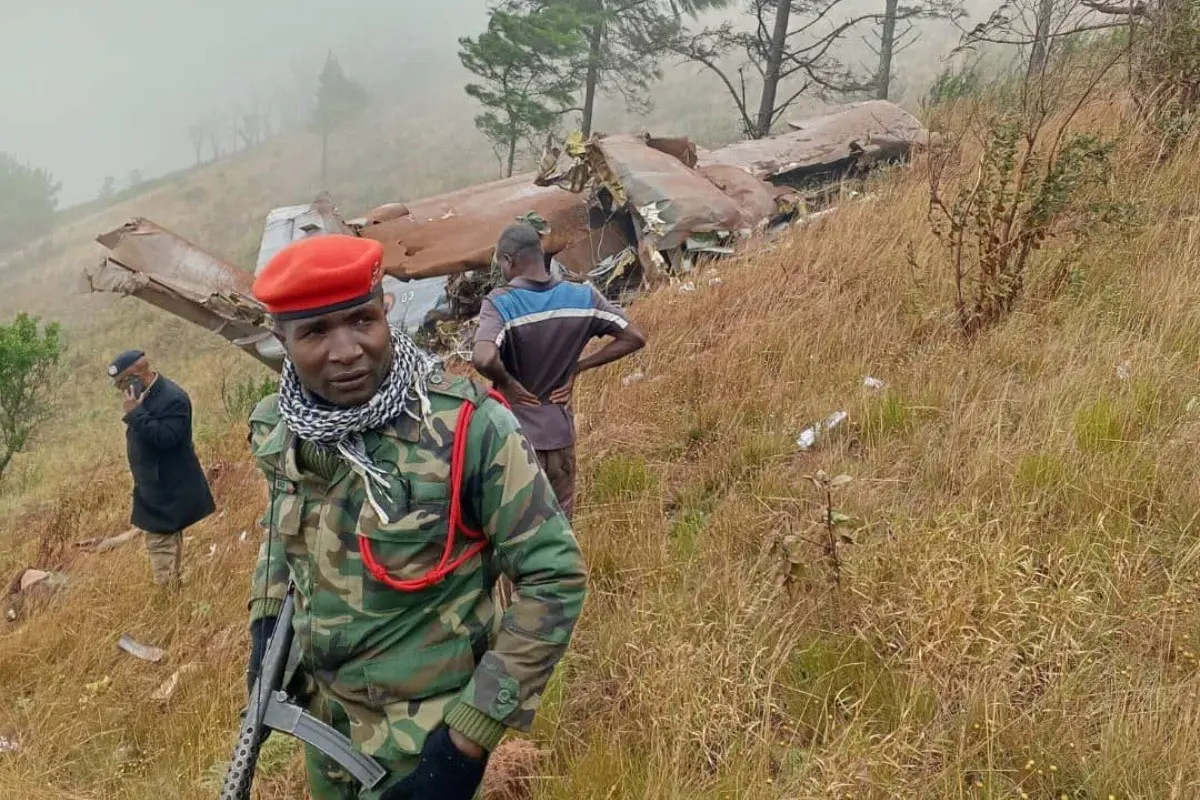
[138, 650]
[9, 745]
[629, 380]
[810, 435]
[1125, 370]
[873, 383]
[167, 689]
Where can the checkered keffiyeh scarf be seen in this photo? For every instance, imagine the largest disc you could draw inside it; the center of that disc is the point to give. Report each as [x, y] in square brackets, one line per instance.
[402, 391]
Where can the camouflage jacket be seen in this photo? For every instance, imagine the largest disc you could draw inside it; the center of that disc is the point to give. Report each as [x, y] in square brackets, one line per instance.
[389, 666]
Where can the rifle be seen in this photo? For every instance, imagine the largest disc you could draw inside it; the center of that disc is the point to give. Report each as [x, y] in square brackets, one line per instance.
[269, 709]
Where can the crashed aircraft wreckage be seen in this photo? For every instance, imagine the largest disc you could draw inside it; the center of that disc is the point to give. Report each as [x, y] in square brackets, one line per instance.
[622, 211]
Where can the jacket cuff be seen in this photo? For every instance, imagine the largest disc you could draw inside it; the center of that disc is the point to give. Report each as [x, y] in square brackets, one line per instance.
[476, 726]
[265, 607]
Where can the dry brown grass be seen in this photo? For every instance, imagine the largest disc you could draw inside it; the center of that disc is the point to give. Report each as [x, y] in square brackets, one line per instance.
[1017, 613]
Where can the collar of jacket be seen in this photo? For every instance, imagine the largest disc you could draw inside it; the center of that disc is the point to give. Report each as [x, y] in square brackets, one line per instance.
[283, 442]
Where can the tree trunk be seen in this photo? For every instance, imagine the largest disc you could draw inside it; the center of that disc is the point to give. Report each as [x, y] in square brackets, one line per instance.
[887, 40]
[766, 107]
[1041, 40]
[324, 155]
[512, 156]
[595, 53]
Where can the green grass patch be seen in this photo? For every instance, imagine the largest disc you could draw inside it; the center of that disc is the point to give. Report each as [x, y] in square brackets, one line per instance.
[620, 477]
[886, 417]
[833, 680]
[1099, 426]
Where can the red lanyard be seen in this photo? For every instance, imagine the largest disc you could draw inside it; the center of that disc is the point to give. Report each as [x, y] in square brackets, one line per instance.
[447, 565]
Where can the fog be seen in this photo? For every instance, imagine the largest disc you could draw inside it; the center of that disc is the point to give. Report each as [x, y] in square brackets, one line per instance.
[93, 89]
[90, 89]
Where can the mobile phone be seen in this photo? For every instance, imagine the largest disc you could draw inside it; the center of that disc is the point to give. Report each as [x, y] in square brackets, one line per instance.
[136, 386]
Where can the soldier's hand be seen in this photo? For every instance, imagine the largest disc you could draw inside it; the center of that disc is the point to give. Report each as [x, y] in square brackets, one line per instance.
[444, 772]
[260, 633]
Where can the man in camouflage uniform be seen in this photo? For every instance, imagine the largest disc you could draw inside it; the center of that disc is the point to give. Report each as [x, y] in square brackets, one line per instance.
[356, 449]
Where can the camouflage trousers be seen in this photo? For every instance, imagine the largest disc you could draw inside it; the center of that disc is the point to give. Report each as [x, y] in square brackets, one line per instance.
[328, 781]
[166, 554]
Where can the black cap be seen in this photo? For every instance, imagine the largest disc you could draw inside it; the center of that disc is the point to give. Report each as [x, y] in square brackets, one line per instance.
[124, 362]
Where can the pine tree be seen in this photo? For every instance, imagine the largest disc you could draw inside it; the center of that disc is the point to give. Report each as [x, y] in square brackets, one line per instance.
[339, 100]
[524, 62]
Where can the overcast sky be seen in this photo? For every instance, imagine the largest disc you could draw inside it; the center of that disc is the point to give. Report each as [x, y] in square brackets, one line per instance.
[90, 88]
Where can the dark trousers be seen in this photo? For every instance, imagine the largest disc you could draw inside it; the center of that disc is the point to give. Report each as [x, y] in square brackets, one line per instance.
[559, 466]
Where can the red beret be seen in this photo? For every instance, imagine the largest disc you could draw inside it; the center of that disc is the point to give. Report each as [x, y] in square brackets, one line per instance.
[320, 274]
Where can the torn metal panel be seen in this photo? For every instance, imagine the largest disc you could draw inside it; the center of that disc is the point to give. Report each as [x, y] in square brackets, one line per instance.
[153, 264]
[290, 223]
[681, 148]
[457, 231]
[683, 201]
[823, 144]
[755, 197]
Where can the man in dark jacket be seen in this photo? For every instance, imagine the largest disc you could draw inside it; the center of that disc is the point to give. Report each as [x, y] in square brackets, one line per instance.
[170, 491]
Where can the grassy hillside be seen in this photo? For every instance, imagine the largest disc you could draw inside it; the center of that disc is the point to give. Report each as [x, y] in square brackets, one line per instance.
[1016, 608]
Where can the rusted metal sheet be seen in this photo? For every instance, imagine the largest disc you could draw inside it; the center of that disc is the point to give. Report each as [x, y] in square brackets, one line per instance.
[684, 200]
[153, 264]
[821, 142]
[457, 231]
[755, 198]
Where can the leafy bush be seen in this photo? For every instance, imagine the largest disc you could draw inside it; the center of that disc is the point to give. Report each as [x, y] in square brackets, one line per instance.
[27, 361]
[241, 397]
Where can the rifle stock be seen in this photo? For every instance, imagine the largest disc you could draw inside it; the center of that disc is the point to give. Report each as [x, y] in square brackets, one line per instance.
[269, 710]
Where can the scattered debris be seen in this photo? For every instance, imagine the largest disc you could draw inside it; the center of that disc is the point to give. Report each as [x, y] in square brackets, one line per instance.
[94, 689]
[1192, 404]
[812, 434]
[873, 383]
[99, 545]
[166, 690]
[1125, 370]
[9, 745]
[687, 287]
[242, 538]
[27, 589]
[137, 650]
[629, 380]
